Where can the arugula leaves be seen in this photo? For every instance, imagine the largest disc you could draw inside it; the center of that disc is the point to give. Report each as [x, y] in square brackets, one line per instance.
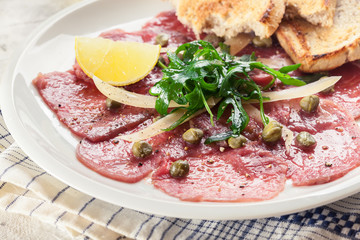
[203, 72]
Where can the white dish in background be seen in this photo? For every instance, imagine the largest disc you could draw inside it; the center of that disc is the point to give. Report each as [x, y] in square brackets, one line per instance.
[52, 146]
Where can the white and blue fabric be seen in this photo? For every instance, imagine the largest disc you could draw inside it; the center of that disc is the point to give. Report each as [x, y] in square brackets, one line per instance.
[27, 189]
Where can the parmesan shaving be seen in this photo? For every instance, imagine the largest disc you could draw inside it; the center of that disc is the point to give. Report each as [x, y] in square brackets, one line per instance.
[123, 96]
[238, 43]
[275, 62]
[306, 90]
[155, 128]
[165, 122]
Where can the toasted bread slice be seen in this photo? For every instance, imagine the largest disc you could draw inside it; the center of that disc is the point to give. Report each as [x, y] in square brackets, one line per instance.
[317, 12]
[228, 18]
[322, 49]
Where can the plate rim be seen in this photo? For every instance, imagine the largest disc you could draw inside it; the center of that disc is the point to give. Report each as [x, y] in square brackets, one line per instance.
[204, 210]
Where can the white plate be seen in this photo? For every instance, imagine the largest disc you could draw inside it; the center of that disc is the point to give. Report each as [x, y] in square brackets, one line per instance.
[50, 145]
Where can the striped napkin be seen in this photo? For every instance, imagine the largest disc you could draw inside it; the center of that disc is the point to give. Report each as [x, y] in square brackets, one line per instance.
[27, 189]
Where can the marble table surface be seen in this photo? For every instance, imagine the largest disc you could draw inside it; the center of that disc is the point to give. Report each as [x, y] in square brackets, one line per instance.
[18, 18]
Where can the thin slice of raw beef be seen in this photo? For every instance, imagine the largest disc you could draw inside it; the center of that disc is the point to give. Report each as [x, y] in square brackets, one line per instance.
[245, 174]
[337, 150]
[250, 173]
[114, 158]
[82, 108]
[347, 91]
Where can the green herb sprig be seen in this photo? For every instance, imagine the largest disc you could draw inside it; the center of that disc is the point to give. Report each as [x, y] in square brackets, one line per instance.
[203, 72]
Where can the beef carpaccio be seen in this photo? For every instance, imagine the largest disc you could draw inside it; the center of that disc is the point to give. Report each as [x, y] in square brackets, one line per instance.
[257, 171]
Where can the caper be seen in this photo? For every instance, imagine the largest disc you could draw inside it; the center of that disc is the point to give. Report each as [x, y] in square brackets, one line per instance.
[180, 55]
[305, 139]
[193, 135]
[262, 42]
[309, 103]
[328, 90]
[156, 119]
[179, 168]
[161, 62]
[141, 149]
[237, 142]
[272, 132]
[162, 39]
[213, 39]
[112, 104]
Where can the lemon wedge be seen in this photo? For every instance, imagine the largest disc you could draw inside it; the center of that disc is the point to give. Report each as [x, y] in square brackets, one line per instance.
[115, 62]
